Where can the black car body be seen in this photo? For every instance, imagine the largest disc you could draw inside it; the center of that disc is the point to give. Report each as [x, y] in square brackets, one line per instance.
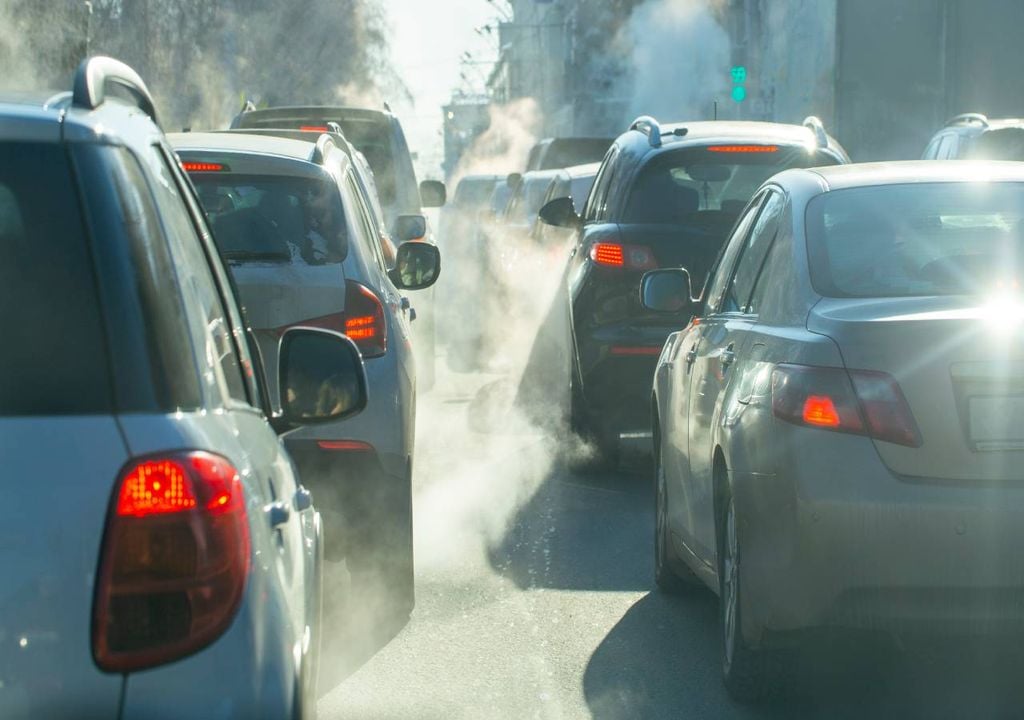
[665, 196]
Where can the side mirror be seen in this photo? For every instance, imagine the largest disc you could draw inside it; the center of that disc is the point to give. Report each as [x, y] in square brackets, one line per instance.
[410, 227]
[433, 193]
[560, 212]
[417, 266]
[667, 291]
[514, 180]
[321, 376]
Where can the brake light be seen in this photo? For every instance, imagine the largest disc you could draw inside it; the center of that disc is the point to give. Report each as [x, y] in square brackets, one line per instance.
[364, 320]
[196, 166]
[629, 257]
[174, 563]
[345, 445]
[860, 402]
[313, 128]
[743, 148]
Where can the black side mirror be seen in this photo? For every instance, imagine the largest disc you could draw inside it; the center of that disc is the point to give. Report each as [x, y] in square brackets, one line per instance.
[667, 291]
[321, 376]
[433, 193]
[417, 265]
[560, 212]
[410, 227]
[514, 180]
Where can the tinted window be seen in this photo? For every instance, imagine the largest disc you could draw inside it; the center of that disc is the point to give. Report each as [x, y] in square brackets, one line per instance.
[579, 190]
[599, 194]
[274, 218]
[754, 251]
[705, 187]
[1004, 144]
[53, 359]
[922, 239]
[722, 273]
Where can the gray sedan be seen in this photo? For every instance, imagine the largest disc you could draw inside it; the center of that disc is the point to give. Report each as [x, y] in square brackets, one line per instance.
[839, 432]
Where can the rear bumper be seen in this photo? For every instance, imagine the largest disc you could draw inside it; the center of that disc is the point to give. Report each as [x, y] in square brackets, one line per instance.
[616, 367]
[833, 539]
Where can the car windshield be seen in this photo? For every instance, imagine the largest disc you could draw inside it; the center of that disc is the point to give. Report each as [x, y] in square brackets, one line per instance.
[693, 186]
[921, 239]
[270, 218]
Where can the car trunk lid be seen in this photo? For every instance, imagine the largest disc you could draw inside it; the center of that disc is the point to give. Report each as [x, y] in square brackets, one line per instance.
[960, 369]
[51, 531]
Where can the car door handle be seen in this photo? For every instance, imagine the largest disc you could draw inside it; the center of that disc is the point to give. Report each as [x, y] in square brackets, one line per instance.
[728, 357]
[303, 499]
[691, 357]
[278, 513]
[406, 304]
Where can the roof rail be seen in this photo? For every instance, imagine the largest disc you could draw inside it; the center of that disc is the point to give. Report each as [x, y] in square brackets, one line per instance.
[649, 127]
[813, 123]
[323, 144]
[89, 90]
[968, 119]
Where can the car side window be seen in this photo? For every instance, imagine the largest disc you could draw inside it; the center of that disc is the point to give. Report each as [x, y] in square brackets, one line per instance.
[228, 290]
[753, 253]
[363, 231]
[222, 363]
[599, 195]
[775, 273]
[947, 147]
[722, 272]
[366, 221]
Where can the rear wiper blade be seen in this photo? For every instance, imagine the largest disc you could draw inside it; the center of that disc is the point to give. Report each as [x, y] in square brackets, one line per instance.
[245, 255]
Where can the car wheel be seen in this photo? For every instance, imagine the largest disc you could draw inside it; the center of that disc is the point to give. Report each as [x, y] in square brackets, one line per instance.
[750, 674]
[668, 579]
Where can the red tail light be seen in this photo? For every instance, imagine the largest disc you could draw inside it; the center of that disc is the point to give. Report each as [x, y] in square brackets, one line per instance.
[629, 257]
[364, 320]
[314, 128]
[743, 148]
[174, 563]
[858, 401]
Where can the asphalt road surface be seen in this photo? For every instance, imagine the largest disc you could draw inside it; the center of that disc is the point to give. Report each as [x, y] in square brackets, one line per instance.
[535, 599]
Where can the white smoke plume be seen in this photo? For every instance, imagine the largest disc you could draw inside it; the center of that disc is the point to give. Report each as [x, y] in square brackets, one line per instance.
[680, 60]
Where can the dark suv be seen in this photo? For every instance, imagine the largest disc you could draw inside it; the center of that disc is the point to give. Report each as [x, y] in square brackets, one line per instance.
[378, 135]
[973, 136]
[665, 196]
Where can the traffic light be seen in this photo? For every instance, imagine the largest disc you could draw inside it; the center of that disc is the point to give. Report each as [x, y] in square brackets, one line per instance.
[739, 78]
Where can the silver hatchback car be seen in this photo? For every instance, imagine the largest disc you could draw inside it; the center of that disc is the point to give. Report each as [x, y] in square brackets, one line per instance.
[154, 530]
[839, 431]
[296, 224]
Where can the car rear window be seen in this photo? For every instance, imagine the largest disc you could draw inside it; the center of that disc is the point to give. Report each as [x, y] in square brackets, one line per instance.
[919, 239]
[53, 357]
[1002, 144]
[710, 184]
[274, 218]
[474, 192]
[567, 152]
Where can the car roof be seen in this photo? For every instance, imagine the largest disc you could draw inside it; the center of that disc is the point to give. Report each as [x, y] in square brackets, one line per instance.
[300, 111]
[242, 142]
[838, 177]
[538, 176]
[577, 171]
[712, 130]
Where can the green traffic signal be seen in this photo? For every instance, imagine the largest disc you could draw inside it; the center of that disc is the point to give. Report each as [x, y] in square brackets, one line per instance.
[739, 93]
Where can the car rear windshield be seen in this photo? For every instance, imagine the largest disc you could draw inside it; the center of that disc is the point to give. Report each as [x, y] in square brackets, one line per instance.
[1002, 144]
[474, 192]
[921, 239]
[698, 185]
[53, 357]
[274, 218]
[528, 204]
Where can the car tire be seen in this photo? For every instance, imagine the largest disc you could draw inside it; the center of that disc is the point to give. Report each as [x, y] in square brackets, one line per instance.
[751, 675]
[667, 577]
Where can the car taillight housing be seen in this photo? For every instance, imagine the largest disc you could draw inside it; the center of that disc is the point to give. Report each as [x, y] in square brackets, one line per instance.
[861, 402]
[364, 320]
[174, 563]
[627, 257]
